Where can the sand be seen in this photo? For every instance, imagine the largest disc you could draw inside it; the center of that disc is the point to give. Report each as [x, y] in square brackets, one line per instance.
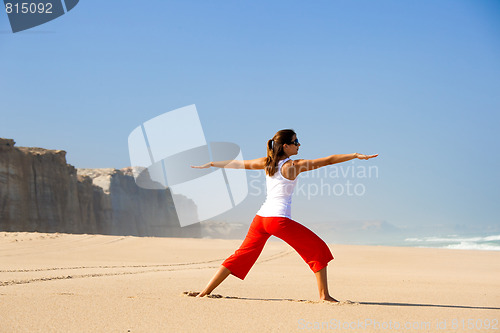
[95, 283]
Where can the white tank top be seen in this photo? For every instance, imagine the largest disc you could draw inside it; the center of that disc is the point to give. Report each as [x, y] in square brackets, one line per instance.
[279, 194]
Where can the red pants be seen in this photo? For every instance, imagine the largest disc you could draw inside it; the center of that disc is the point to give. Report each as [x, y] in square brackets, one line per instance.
[310, 247]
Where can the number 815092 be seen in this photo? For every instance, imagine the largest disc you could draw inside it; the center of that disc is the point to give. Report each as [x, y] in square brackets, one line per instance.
[28, 8]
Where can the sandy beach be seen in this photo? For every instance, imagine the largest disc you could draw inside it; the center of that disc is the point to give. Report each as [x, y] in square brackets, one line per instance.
[95, 283]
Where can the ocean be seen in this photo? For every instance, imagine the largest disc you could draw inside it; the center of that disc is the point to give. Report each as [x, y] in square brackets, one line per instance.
[412, 238]
[484, 242]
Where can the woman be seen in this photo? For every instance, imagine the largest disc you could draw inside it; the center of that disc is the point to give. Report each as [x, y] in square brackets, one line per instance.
[274, 216]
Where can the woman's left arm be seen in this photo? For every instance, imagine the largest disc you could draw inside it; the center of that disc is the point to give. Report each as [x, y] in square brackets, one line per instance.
[333, 159]
[306, 165]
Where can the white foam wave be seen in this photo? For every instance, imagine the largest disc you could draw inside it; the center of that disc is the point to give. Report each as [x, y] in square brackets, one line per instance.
[473, 246]
[490, 243]
[453, 239]
[413, 240]
[492, 238]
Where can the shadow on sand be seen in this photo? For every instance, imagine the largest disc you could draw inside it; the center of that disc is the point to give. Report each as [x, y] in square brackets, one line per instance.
[193, 294]
[430, 305]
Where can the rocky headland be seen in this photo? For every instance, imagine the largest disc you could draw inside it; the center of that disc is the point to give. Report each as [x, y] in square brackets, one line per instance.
[41, 192]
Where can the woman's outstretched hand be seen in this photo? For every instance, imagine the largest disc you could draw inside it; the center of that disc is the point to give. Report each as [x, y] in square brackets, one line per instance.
[365, 157]
[204, 166]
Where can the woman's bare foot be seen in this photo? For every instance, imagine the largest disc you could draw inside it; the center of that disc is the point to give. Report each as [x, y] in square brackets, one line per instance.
[201, 294]
[329, 299]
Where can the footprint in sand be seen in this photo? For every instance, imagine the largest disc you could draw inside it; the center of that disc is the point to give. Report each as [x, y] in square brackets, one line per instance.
[196, 293]
[346, 302]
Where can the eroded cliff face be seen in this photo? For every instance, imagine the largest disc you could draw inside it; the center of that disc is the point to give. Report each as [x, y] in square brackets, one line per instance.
[40, 192]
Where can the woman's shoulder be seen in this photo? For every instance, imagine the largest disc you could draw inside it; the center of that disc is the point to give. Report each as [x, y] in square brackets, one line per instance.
[288, 169]
[289, 162]
[293, 162]
[291, 168]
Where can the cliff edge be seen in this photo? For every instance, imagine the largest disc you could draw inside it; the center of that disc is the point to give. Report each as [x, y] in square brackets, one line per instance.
[40, 192]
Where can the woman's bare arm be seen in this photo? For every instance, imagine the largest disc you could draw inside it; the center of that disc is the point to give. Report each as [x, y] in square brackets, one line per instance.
[256, 164]
[306, 165]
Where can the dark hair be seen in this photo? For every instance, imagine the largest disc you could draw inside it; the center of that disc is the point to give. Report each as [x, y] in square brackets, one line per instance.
[275, 151]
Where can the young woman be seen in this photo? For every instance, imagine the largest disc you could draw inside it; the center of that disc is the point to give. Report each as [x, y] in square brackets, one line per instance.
[274, 216]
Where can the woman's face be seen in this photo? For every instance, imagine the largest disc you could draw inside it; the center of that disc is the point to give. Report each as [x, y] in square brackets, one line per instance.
[292, 148]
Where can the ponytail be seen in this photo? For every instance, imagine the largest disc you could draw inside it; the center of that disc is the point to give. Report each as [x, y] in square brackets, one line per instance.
[275, 150]
[271, 158]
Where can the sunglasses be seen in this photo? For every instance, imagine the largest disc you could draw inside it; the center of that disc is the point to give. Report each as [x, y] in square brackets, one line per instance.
[295, 142]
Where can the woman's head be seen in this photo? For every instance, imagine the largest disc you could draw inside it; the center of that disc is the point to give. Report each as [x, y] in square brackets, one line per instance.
[283, 144]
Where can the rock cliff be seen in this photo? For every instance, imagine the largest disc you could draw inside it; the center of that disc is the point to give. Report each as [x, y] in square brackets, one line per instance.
[40, 192]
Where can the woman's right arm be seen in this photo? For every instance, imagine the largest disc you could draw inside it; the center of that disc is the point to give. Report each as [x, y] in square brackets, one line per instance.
[256, 164]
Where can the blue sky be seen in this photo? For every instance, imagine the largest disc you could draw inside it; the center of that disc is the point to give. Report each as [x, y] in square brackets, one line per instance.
[417, 82]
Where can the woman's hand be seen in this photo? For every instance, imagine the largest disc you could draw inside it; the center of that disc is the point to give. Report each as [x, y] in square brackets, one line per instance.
[204, 166]
[365, 157]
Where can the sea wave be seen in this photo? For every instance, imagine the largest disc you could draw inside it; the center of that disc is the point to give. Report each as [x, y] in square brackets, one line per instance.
[474, 246]
[488, 243]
